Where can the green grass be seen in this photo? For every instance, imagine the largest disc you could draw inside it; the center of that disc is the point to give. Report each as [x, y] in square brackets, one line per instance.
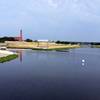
[8, 58]
[95, 46]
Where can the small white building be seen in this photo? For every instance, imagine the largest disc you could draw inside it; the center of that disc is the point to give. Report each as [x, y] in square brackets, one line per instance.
[43, 40]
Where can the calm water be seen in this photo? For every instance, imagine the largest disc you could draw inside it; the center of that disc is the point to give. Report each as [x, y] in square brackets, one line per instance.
[45, 75]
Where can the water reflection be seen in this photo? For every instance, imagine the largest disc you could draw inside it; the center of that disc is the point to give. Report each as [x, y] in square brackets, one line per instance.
[73, 75]
[83, 62]
[20, 55]
[19, 52]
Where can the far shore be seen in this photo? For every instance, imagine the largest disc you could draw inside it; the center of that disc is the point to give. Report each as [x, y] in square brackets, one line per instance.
[95, 46]
[39, 45]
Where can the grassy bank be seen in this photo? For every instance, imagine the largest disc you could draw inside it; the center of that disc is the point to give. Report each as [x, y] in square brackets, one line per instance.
[95, 46]
[8, 58]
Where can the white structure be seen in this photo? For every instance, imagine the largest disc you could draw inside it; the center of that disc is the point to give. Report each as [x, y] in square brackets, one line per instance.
[43, 40]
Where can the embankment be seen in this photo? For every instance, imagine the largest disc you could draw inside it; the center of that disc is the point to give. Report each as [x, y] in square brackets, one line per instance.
[39, 45]
[7, 56]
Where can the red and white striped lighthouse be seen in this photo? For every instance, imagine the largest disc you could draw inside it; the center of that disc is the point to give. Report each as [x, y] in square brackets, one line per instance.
[21, 35]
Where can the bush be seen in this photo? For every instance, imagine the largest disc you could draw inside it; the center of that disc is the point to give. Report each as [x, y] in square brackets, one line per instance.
[29, 40]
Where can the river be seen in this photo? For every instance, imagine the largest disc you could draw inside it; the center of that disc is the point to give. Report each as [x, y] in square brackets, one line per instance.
[52, 75]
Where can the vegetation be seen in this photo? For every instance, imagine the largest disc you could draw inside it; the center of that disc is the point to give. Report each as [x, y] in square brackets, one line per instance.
[81, 43]
[95, 46]
[95, 43]
[8, 58]
[35, 41]
[29, 40]
[65, 42]
[3, 39]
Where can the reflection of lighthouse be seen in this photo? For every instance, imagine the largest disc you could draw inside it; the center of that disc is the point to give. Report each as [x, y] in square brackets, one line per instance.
[20, 55]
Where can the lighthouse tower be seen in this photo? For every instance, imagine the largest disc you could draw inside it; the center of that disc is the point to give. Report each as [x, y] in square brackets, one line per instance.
[21, 35]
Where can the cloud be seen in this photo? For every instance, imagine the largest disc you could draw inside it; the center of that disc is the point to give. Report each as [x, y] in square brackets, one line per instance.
[56, 3]
[88, 6]
[52, 4]
[51, 16]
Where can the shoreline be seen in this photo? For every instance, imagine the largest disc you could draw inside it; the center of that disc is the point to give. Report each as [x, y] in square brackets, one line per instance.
[39, 45]
[58, 48]
[7, 56]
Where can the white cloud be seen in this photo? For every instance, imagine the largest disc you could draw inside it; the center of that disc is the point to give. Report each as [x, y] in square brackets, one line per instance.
[56, 3]
[52, 4]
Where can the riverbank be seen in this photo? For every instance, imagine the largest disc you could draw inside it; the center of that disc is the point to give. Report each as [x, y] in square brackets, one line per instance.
[95, 46]
[39, 45]
[7, 56]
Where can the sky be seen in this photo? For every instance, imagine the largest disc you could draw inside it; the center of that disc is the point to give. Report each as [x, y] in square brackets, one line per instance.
[70, 20]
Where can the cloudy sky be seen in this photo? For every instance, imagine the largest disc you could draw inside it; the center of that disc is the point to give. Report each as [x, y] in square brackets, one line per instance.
[71, 20]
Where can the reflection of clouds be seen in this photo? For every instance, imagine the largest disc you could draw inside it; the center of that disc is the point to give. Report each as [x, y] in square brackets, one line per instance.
[83, 64]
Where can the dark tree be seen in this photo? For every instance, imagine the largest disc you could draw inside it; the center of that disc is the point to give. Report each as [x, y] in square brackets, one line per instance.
[3, 39]
[29, 40]
[35, 40]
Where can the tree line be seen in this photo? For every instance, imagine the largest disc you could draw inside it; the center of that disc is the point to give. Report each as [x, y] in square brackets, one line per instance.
[81, 43]
[3, 39]
[65, 42]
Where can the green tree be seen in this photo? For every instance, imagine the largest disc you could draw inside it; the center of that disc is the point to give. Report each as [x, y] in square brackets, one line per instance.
[29, 40]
